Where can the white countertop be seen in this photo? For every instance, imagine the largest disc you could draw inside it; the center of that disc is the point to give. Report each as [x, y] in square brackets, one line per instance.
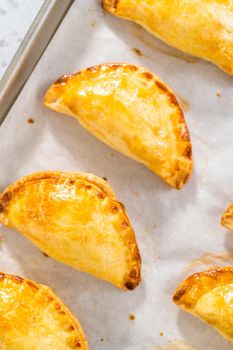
[16, 17]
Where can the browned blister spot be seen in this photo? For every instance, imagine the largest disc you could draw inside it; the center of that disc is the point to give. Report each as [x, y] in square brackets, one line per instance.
[185, 178]
[137, 257]
[57, 306]
[32, 285]
[18, 279]
[185, 135]
[78, 343]
[129, 285]
[101, 195]
[147, 75]
[177, 166]
[63, 79]
[93, 68]
[131, 67]
[188, 152]
[49, 298]
[61, 312]
[174, 101]
[115, 208]
[133, 274]
[6, 197]
[125, 224]
[178, 295]
[115, 3]
[161, 86]
[122, 206]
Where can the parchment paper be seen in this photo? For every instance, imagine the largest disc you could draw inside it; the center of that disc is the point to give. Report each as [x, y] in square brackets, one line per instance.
[172, 227]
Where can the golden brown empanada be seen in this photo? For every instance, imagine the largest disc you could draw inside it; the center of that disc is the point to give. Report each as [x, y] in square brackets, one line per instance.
[32, 317]
[203, 28]
[227, 218]
[76, 219]
[209, 296]
[131, 110]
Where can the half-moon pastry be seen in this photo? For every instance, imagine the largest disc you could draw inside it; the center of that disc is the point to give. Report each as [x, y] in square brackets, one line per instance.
[209, 296]
[201, 28]
[76, 219]
[131, 110]
[33, 317]
[227, 218]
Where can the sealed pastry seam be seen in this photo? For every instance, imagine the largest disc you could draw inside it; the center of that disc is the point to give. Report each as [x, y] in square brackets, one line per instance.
[131, 110]
[32, 316]
[208, 296]
[76, 219]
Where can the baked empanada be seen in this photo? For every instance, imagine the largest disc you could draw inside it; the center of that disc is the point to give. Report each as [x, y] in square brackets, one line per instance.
[131, 110]
[227, 218]
[32, 317]
[76, 219]
[209, 296]
[203, 28]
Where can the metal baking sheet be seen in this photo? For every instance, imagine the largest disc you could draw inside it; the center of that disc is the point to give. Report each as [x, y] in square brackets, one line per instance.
[172, 227]
[29, 52]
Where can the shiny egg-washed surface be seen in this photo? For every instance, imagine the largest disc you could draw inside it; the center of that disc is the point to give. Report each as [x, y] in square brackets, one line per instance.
[131, 110]
[32, 317]
[203, 28]
[76, 219]
[209, 296]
